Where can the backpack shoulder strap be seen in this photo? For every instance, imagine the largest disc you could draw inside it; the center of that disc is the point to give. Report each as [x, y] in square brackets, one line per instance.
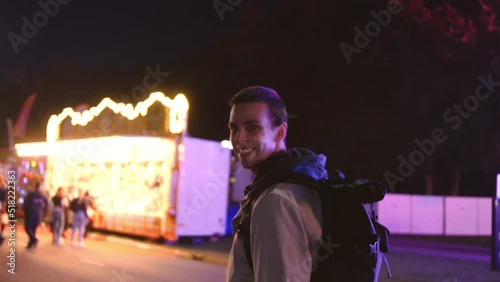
[244, 232]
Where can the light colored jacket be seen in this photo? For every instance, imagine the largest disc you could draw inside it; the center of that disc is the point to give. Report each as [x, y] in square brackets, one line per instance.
[285, 232]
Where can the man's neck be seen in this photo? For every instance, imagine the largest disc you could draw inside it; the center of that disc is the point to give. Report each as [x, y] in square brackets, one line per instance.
[258, 168]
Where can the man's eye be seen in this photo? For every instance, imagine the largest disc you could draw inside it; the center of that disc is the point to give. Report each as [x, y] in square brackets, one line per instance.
[252, 128]
[233, 129]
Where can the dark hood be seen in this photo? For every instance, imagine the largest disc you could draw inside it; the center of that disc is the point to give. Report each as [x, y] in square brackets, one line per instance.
[293, 162]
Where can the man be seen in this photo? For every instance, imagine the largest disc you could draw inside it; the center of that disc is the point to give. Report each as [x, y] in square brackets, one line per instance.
[34, 207]
[285, 219]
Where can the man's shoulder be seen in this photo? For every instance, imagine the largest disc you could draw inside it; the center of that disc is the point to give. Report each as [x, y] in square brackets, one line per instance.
[288, 200]
[292, 193]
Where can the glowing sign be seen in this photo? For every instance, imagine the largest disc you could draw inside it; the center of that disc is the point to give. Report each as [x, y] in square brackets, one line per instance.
[33, 150]
[177, 116]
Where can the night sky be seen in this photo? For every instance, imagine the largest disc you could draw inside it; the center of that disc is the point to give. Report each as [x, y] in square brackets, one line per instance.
[361, 114]
[100, 34]
[109, 32]
[89, 50]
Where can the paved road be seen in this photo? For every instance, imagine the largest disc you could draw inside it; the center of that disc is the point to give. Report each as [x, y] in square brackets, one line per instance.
[420, 259]
[428, 260]
[117, 259]
[103, 260]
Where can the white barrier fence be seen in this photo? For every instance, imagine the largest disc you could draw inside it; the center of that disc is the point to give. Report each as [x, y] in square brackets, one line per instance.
[436, 215]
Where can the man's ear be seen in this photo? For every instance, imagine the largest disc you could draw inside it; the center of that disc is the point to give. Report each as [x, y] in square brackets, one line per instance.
[281, 132]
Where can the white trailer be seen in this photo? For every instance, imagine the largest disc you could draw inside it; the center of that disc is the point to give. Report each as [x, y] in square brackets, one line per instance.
[166, 187]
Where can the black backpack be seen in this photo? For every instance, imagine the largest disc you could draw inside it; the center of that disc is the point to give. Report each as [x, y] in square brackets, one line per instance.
[346, 223]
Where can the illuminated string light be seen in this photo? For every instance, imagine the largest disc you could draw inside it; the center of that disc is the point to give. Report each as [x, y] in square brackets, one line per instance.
[179, 107]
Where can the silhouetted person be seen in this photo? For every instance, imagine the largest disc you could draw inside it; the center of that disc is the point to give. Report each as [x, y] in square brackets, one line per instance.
[79, 208]
[34, 207]
[3, 208]
[67, 210]
[91, 207]
[59, 203]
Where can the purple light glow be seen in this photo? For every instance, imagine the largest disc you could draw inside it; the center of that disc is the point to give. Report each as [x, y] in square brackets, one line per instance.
[498, 186]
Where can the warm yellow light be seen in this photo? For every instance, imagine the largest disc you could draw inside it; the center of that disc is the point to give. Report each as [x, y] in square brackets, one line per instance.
[177, 118]
[33, 164]
[33, 149]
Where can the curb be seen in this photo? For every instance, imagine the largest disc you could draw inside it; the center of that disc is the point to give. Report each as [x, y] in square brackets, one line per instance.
[198, 255]
[204, 257]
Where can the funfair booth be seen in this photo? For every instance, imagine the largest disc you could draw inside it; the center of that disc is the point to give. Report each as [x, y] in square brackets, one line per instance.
[147, 176]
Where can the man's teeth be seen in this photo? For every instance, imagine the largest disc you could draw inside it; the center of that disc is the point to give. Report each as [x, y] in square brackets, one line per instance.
[244, 151]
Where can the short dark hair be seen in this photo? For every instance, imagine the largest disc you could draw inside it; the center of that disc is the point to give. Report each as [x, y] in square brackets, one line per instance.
[277, 108]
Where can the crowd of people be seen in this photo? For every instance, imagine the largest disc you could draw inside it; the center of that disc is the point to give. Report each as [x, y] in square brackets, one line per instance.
[65, 209]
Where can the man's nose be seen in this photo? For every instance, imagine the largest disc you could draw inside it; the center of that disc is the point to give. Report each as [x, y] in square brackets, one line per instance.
[241, 136]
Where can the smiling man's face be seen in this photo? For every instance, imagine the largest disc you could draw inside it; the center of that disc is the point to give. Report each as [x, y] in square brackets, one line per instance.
[252, 133]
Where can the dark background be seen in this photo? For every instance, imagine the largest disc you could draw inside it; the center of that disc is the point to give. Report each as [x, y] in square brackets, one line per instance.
[362, 114]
